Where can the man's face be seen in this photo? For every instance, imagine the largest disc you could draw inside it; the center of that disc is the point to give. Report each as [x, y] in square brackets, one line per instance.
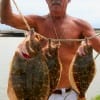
[57, 5]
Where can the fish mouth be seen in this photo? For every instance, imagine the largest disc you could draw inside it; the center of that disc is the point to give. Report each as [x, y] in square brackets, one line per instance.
[56, 2]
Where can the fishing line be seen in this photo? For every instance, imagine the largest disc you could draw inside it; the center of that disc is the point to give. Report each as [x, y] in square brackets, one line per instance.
[23, 18]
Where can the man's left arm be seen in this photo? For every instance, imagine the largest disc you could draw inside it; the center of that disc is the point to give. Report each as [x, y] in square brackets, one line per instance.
[88, 31]
[95, 40]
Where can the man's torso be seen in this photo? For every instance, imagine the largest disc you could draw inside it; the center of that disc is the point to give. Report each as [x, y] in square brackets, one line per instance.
[66, 28]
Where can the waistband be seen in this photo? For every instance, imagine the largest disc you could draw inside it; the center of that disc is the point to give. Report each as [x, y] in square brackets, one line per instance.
[63, 90]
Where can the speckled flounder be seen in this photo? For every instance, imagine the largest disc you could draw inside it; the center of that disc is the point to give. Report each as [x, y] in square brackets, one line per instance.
[29, 75]
[82, 71]
[54, 65]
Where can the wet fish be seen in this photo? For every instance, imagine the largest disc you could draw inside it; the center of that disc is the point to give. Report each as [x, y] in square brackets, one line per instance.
[29, 75]
[54, 64]
[82, 72]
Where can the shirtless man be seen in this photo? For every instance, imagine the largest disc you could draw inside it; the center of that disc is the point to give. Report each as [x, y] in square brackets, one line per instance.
[57, 24]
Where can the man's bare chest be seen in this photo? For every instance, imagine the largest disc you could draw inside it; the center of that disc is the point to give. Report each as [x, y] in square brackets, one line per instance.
[60, 31]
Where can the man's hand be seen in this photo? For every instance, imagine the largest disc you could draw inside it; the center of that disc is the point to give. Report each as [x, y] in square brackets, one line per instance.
[81, 50]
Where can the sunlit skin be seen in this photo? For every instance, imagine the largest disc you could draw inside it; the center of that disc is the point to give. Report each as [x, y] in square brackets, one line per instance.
[57, 24]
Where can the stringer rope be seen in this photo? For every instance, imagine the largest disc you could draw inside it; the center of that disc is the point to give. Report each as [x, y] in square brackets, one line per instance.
[23, 18]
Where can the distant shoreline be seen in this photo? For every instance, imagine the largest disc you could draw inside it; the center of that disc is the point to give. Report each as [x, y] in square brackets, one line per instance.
[20, 33]
[18, 30]
[12, 33]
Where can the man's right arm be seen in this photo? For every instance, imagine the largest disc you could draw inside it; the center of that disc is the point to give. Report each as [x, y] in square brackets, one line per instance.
[14, 20]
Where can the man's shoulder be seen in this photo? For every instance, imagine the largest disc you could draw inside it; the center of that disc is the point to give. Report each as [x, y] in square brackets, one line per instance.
[78, 20]
[81, 22]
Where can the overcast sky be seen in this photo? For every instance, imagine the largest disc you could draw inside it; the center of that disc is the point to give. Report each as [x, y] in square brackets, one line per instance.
[84, 9]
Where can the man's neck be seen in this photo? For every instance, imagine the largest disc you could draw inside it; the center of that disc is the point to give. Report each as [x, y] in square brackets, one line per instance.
[58, 14]
[56, 17]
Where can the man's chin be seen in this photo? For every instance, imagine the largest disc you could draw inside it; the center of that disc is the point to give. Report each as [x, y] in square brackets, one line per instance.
[56, 9]
[56, 12]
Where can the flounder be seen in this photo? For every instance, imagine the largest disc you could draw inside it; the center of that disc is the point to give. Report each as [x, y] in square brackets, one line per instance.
[82, 71]
[54, 65]
[29, 75]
